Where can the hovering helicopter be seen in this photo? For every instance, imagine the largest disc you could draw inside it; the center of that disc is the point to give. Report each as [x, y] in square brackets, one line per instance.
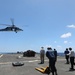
[11, 27]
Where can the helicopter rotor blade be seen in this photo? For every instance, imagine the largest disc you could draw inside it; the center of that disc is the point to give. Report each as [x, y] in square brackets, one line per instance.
[24, 25]
[5, 24]
[12, 20]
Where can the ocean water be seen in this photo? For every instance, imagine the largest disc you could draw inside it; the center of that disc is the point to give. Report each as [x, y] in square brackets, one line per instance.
[8, 52]
[59, 54]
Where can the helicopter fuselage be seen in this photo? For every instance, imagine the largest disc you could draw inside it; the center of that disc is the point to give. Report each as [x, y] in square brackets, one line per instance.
[16, 29]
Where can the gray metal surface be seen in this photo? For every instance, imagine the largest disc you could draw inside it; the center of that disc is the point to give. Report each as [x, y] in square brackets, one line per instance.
[30, 63]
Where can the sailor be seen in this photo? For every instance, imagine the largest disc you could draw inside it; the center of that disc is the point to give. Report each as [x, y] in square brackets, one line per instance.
[55, 53]
[42, 55]
[51, 56]
[66, 56]
[72, 55]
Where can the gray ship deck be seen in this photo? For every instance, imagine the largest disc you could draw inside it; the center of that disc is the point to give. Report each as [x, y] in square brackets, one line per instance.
[30, 63]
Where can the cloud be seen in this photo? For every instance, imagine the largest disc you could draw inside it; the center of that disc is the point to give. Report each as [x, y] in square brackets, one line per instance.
[66, 35]
[65, 42]
[71, 26]
[70, 42]
[59, 47]
[48, 46]
[55, 41]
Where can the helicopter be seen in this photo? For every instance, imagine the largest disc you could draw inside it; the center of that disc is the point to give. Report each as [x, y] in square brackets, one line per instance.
[11, 27]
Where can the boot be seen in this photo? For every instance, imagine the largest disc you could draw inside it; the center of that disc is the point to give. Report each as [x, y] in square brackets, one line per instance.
[56, 73]
[52, 73]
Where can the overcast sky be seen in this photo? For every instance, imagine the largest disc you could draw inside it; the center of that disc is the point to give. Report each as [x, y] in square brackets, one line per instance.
[49, 23]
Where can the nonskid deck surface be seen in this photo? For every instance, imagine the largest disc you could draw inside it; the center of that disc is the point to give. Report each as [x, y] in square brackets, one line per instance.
[30, 63]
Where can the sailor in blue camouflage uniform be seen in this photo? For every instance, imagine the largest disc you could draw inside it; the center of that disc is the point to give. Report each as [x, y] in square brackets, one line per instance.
[50, 55]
